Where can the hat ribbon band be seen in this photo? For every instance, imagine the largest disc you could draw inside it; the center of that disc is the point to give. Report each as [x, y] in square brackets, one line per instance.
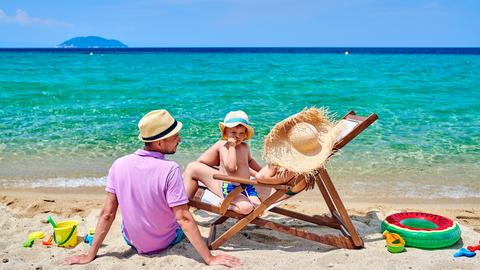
[236, 120]
[163, 133]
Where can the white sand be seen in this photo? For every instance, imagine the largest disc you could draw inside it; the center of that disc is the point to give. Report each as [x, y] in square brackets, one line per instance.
[25, 211]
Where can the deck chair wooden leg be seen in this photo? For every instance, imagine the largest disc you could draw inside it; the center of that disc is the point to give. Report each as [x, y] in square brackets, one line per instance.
[213, 229]
[345, 219]
[246, 220]
[326, 196]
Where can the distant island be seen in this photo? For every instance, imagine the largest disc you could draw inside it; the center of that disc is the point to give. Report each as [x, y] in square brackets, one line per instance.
[92, 42]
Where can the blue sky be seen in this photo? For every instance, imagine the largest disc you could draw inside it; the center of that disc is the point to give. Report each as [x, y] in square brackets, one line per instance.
[198, 23]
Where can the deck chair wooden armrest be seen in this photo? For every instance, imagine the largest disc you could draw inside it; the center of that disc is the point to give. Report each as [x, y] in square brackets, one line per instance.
[352, 125]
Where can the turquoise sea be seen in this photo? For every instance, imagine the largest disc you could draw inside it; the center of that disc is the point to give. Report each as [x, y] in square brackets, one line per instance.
[64, 117]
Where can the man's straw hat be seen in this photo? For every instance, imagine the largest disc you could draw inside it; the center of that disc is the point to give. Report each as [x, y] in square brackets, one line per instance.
[157, 125]
[302, 143]
[233, 119]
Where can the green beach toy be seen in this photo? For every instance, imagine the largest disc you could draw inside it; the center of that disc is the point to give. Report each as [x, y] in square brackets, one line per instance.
[50, 220]
[31, 237]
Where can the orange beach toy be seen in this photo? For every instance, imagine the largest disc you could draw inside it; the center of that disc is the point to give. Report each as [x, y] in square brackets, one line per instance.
[395, 243]
[48, 242]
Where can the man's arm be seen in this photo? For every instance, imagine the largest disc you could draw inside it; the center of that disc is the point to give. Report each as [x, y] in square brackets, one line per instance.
[190, 228]
[105, 220]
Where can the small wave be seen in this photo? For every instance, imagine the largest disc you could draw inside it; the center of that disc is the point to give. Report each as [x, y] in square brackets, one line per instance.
[54, 182]
[437, 191]
[420, 190]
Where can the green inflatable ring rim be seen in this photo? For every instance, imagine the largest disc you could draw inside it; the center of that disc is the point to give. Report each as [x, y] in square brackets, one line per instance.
[425, 239]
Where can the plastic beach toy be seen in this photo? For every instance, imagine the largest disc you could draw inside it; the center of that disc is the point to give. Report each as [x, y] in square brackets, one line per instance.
[395, 243]
[89, 236]
[31, 237]
[65, 234]
[48, 242]
[50, 220]
[474, 248]
[464, 252]
[423, 230]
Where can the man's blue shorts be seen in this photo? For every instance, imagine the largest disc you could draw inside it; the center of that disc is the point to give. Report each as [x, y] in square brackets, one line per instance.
[178, 238]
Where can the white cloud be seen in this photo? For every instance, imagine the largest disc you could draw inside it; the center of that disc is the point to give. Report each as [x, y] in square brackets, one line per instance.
[22, 18]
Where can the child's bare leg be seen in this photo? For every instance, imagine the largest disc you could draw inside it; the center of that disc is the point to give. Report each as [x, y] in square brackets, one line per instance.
[241, 205]
[255, 200]
[264, 192]
[197, 171]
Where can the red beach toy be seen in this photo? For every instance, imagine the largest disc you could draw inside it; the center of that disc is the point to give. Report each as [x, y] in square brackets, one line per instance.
[49, 242]
[474, 248]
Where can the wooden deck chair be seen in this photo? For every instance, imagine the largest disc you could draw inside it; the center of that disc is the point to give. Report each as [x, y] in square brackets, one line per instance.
[338, 218]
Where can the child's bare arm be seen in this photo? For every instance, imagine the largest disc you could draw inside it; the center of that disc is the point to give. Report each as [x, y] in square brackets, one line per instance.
[228, 154]
[266, 172]
[252, 172]
[253, 164]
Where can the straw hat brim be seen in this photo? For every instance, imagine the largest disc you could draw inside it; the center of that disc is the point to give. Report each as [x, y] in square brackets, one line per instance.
[171, 133]
[250, 131]
[279, 151]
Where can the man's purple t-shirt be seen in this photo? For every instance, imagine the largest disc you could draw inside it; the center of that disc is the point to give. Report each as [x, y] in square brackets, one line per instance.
[147, 187]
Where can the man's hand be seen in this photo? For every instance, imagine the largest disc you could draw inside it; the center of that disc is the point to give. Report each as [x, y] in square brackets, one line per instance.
[190, 228]
[105, 220]
[224, 259]
[78, 259]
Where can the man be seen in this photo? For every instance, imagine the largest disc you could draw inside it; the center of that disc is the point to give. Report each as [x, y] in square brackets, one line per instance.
[149, 190]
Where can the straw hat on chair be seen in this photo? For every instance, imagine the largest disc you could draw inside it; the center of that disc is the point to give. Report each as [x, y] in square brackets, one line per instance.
[302, 143]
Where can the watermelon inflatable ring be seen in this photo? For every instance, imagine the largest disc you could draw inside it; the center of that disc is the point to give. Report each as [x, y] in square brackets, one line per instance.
[423, 230]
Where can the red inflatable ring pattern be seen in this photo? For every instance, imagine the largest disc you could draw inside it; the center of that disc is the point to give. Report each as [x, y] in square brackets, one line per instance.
[443, 223]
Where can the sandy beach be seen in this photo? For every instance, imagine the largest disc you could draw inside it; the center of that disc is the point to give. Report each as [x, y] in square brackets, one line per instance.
[383, 95]
[25, 210]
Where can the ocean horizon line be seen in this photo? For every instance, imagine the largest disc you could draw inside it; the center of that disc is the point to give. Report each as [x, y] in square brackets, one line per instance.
[299, 50]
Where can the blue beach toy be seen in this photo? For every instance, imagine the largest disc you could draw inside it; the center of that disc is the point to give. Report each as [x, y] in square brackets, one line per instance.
[464, 252]
[89, 236]
[88, 239]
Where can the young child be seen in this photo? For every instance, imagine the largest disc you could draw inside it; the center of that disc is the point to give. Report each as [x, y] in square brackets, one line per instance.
[236, 159]
[231, 155]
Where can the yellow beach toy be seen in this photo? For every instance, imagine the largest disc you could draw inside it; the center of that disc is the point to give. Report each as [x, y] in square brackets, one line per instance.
[65, 234]
[395, 243]
[31, 237]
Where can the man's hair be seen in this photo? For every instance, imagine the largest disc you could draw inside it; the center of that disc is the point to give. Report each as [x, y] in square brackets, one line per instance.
[148, 144]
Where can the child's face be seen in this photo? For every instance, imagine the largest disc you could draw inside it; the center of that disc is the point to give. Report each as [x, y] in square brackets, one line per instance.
[239, 133]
